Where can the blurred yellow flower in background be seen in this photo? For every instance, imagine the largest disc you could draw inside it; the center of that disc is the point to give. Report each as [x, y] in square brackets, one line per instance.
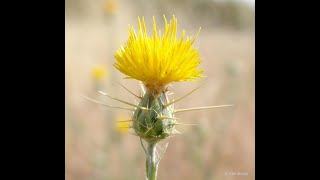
[99, 72]
[110, 6]
[122, 125]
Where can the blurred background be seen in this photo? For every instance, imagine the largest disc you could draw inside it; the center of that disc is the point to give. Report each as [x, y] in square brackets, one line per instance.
[223, 142]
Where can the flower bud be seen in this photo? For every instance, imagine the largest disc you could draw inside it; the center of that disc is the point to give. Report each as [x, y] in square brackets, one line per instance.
[157, 121]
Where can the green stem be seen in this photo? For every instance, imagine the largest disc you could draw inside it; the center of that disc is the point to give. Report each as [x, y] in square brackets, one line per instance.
[151, 162]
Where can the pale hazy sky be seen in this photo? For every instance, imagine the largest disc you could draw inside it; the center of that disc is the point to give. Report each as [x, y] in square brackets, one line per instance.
[249, 2]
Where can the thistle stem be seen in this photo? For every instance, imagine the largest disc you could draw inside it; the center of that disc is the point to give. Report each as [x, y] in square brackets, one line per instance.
[151, 162]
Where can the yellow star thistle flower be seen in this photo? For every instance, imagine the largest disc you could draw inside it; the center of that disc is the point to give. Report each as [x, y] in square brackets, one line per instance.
[121, 125]
[156, 61]
[98, 72]
[110, 6]
[160, 59]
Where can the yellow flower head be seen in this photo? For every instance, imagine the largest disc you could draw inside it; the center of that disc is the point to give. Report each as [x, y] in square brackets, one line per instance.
[99, 72]
[110, 6]
[160, 59]
[121, 125]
